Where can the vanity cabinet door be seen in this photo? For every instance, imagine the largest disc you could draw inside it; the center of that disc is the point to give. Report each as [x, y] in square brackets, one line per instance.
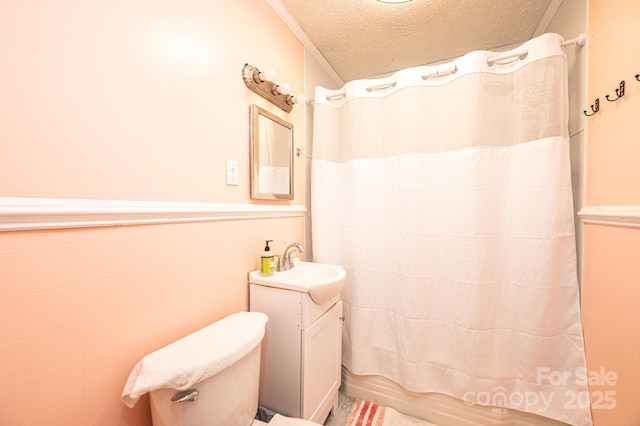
[322, 359]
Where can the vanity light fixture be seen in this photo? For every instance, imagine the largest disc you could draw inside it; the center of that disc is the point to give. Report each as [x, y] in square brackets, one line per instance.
[262, 83]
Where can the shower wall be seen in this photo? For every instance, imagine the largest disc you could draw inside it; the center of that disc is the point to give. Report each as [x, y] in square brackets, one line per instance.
[314, 75]
[571, 20]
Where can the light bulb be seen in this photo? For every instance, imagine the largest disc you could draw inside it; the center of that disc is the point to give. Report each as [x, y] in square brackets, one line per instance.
[268, 75]
[299, 99]
[283, 89]
[261, 76]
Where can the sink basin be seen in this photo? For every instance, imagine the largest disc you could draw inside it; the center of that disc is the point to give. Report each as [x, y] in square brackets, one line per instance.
[321, 281]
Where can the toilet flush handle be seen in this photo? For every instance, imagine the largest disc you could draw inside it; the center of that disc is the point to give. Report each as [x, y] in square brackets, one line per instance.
[189, 395]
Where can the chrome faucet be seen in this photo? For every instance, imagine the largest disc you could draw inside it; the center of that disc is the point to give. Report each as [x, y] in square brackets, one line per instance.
[286, 256]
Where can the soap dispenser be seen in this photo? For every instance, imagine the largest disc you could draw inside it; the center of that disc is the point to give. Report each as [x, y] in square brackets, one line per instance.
[266, 261]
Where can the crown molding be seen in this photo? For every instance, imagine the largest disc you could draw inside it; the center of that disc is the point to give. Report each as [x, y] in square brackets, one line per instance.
[547, 17]
[284, 14]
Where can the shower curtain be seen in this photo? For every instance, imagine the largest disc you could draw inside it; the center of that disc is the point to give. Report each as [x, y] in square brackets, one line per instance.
[445, 192]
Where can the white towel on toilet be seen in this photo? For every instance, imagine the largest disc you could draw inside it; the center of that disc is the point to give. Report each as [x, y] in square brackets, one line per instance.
[196, 357]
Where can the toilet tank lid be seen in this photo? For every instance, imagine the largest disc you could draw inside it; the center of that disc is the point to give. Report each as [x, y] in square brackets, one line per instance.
[196, 357]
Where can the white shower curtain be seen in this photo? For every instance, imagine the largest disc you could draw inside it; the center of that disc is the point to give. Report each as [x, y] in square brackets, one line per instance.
[448, 201]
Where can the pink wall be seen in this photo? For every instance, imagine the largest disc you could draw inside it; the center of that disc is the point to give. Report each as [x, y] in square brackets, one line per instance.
[134, 100]
[611, 271]
[137, 99]
[613, 175]
[611, 320]
[80, 307]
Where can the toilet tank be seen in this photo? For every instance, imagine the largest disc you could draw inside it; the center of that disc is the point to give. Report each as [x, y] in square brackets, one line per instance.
[231, 349]
[228, 398]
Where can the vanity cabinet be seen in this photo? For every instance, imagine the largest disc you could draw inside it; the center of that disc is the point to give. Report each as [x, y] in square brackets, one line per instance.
[301, 352]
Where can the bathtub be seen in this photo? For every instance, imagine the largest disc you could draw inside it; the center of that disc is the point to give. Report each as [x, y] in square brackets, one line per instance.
[437, 408]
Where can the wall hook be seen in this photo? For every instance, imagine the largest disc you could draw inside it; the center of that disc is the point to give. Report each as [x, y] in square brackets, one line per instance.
[619, 92]
[638, 77]
[595, 108]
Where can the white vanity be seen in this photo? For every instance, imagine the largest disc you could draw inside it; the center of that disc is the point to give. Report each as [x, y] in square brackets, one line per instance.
[301, 351]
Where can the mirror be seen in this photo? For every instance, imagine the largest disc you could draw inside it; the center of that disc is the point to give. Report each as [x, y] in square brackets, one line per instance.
[271, 156]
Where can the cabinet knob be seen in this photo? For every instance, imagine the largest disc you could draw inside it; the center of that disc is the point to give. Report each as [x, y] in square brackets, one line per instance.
[342, 318]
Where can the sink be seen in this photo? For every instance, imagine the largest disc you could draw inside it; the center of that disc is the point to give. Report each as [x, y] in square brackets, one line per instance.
[321, 281]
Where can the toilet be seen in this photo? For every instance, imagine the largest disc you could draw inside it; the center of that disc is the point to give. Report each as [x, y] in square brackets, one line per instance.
[208, 378]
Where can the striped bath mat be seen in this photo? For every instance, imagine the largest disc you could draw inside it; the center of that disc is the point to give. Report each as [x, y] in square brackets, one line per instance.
[369, 414]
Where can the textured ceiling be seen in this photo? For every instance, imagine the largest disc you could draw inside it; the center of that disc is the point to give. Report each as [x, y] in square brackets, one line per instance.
[366, 38]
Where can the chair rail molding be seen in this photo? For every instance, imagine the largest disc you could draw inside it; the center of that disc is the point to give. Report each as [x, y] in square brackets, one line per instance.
[20, 214]
[622, 216]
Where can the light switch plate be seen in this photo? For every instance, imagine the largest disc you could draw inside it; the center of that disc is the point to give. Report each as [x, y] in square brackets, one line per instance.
[232, 172]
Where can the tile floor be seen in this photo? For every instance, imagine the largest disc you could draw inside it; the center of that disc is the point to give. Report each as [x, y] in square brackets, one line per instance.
[339, 418]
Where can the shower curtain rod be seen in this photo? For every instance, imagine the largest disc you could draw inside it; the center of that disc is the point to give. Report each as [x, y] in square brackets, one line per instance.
[579, 41]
